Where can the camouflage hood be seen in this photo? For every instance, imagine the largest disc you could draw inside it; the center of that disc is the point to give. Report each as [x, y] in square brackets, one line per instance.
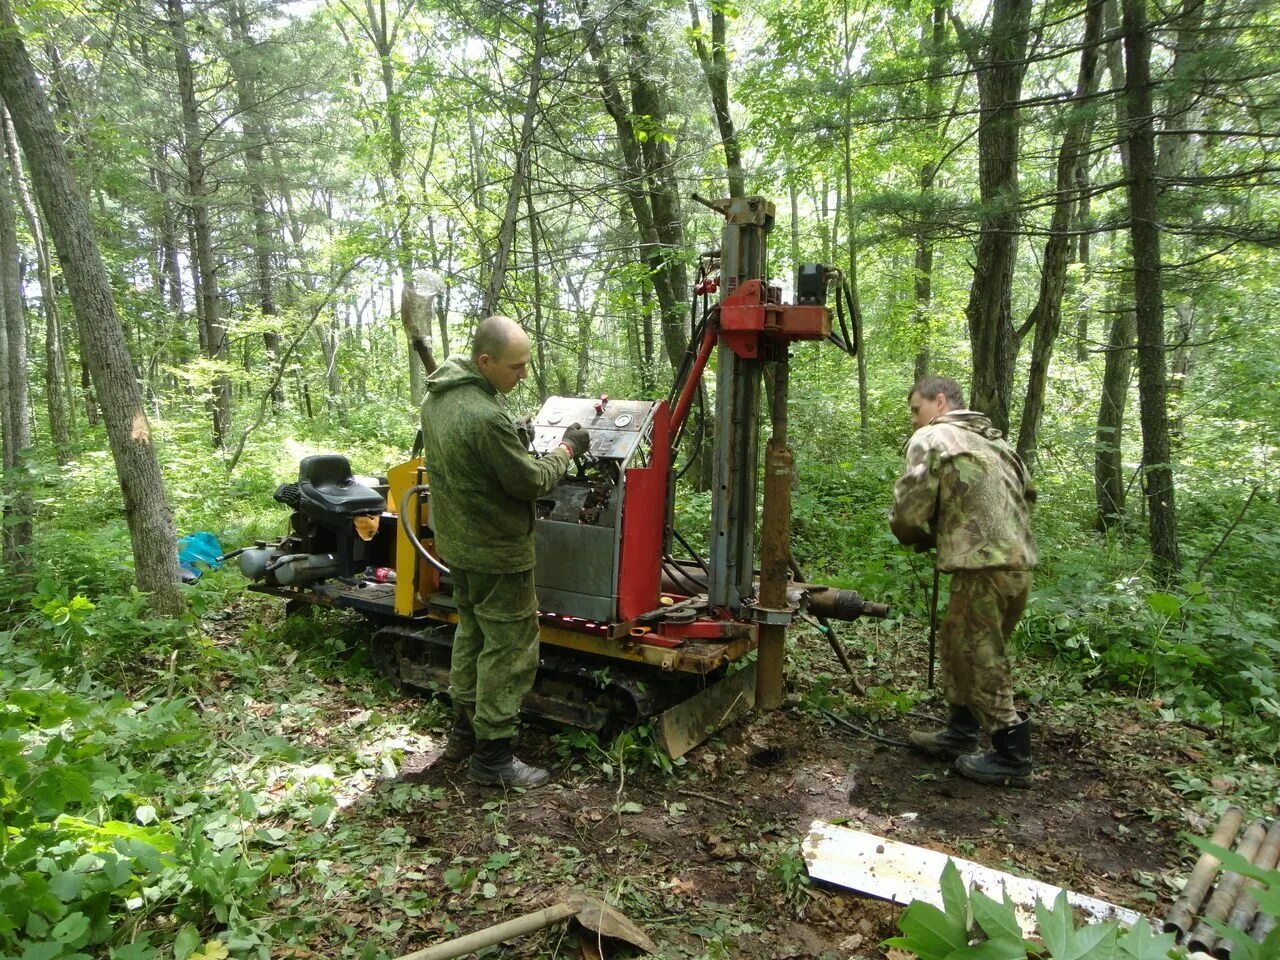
[965, 488]
[457, 372]
[972, 421]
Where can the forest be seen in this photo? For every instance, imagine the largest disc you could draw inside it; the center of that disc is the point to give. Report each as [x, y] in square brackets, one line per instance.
[217, 222]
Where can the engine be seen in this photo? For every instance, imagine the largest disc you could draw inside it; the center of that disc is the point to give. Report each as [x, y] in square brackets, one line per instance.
[334, 528]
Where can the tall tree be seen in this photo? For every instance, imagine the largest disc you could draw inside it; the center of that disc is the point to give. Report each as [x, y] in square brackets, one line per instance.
[128, 431]
[55, 394]
[1148, 292]
[17, 514]
[519, 168]
[1000, 61]
[255, 135]
[213, 330]
[715, 69]
[1045, 318]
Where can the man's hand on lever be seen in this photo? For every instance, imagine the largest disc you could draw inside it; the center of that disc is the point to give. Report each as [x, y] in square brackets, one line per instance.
[576, 440]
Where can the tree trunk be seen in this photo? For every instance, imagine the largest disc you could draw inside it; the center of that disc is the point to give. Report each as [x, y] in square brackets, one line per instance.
[519, 170]
[1148, 294]
[256, 174]
[55, 393]
[655, 209]
[933, 43]
[989, 312]
[128, 432]
[1180, 156]
[17, 409]
[1084, 223]
[1046, 316]
[215, 333]
[715, 68]
[539, 335]
[1108, 450]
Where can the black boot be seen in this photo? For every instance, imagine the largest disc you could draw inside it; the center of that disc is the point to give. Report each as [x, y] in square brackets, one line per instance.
[958, 738]
[495, 765]
[462, 739]
[1007, 764]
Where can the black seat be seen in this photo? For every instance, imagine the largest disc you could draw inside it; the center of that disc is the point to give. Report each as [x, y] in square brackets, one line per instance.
[327, 486]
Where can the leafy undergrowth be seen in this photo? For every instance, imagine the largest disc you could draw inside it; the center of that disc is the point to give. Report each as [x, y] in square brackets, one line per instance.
[185, 789]
[228, 784]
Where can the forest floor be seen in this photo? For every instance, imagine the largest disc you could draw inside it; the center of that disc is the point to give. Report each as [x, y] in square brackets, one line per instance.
[706, 856]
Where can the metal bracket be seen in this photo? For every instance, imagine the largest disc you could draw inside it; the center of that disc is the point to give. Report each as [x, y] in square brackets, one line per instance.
[771, 616]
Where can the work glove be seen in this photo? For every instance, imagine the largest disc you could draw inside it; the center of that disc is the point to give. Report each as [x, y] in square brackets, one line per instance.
[577, 439]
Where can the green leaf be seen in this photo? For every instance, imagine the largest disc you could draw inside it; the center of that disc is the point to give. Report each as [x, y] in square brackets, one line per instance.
[71, 929]
[186, 942]
[997, 920]
[1141, 943]
[1055, 925]
[955, 900]
[930, 932]
[321, 814]
[1165, 604]
[42, 951]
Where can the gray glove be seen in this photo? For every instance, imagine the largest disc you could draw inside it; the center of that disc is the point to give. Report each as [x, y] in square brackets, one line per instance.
[577, 438]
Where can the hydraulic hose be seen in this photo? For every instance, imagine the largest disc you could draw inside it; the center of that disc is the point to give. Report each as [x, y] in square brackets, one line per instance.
[411, 533]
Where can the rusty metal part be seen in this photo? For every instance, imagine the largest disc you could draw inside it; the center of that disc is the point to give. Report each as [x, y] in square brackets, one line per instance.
[1178, 920]
[775, 546]
[1242, 914]
[682, 727]
[1204, 937]
[591, 914]
[837, 604]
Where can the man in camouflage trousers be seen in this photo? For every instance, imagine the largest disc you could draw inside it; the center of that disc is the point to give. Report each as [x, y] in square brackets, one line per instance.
[483, 485]
[967, 493]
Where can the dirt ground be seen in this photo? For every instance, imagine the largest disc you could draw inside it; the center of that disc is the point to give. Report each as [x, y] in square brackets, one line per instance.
[707, 859]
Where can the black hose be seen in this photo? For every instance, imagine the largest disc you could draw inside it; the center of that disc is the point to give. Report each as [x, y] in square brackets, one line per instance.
[693, 554]
[676, 572]
[413, 534]
[698, 434]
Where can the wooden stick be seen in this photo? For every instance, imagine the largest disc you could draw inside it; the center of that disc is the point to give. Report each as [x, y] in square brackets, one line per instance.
[497, 933]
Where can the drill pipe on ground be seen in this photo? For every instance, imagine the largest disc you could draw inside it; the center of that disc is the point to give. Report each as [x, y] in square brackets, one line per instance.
[1204, 937]
[1242, 914]
[1178, 920]
[1262, 927]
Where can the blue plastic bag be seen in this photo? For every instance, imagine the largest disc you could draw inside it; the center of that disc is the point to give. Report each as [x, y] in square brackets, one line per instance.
[197, 548]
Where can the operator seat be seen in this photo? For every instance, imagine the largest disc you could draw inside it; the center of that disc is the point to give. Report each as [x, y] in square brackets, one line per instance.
[329, 492]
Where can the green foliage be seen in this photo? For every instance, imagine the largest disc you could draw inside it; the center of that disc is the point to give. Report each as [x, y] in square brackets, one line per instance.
[1205, 658]
[973, 925]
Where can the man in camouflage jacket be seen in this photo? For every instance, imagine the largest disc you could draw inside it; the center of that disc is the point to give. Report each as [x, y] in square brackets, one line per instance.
[967, 493]
[483, 485]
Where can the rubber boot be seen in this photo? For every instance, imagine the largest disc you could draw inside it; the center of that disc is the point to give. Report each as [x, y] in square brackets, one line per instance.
[462, 739]
[960, 736]
[1007, 764]
[495, 765]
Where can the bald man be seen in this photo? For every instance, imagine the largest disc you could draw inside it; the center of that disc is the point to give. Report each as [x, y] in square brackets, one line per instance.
[483, 487]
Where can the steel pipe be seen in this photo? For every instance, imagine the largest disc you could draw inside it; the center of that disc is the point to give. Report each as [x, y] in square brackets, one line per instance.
[1178, 920]
[1242, 914]
[1204, 937]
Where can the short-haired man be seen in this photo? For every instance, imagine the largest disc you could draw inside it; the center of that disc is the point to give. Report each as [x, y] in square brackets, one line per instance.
[483, 488]
[967, 493]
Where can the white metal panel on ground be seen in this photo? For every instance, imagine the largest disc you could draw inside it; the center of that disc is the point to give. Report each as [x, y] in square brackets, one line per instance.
[902, 872]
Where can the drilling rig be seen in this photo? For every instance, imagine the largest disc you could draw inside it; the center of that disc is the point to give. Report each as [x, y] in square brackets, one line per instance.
[629, 632]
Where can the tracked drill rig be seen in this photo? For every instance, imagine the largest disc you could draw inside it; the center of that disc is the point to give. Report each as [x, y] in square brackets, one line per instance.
[629, 632]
